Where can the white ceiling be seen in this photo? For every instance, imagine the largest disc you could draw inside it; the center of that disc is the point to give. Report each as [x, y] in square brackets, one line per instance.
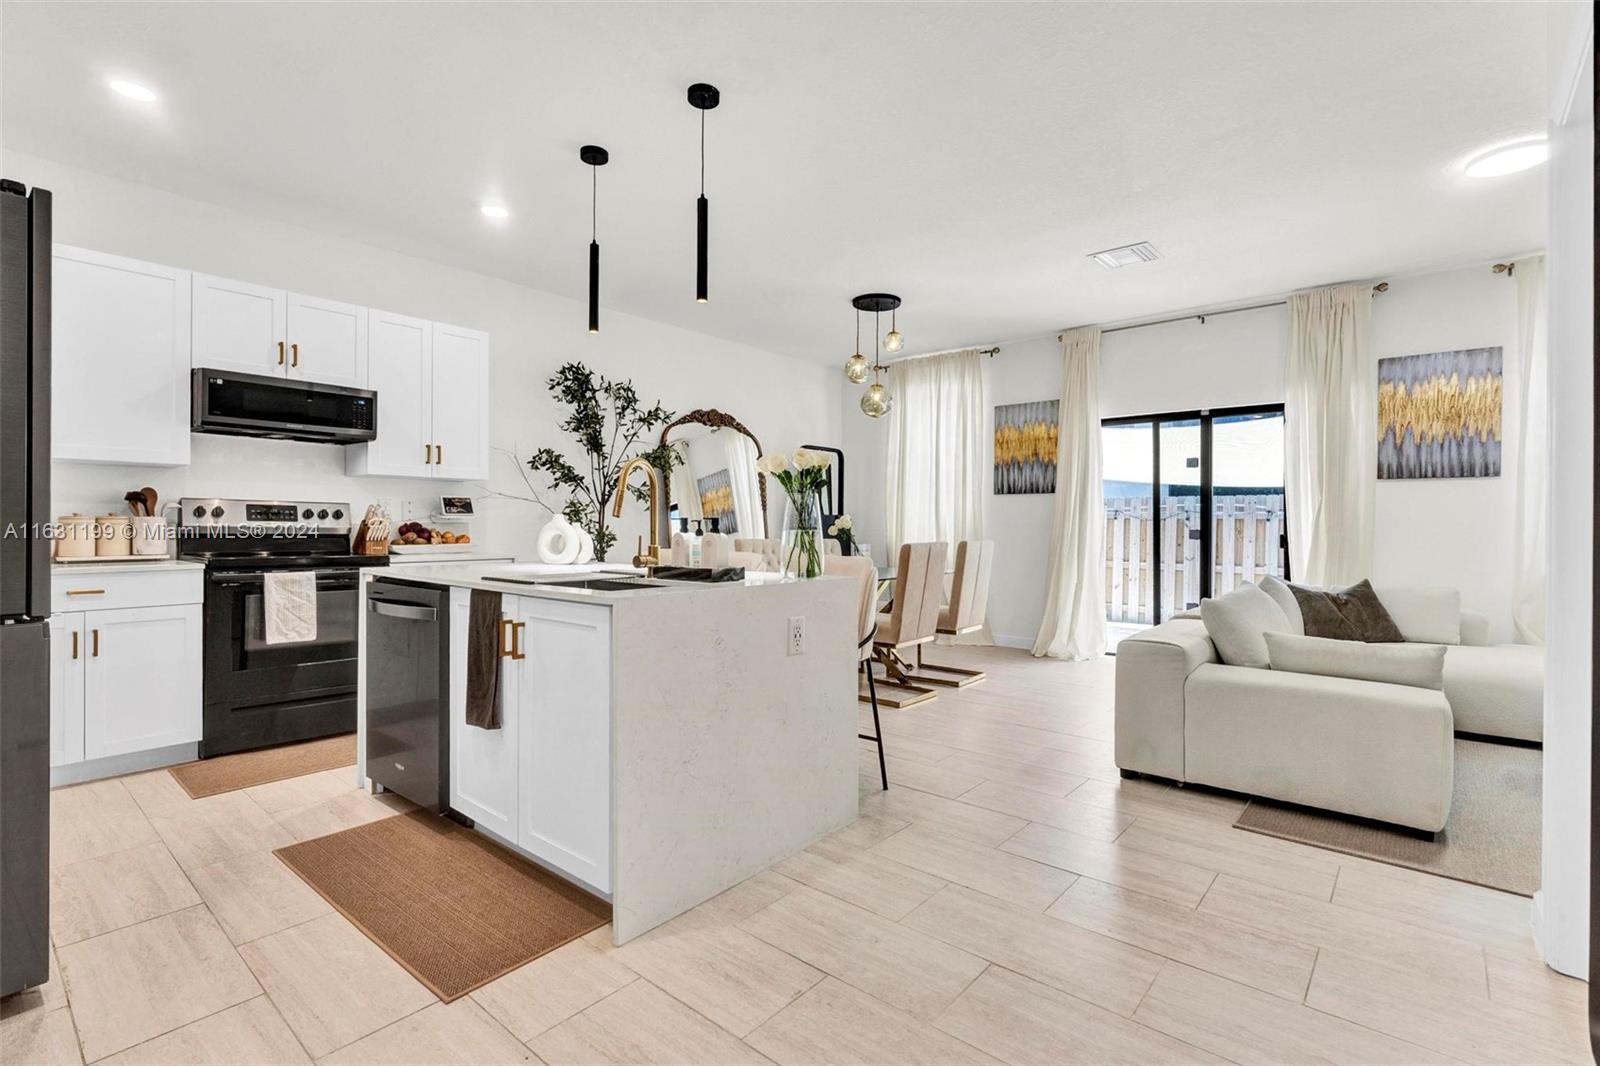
[964, 156]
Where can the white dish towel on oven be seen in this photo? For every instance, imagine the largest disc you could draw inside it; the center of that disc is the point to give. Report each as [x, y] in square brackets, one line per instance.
[289, 603]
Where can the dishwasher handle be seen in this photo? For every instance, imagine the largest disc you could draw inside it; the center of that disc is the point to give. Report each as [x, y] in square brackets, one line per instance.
[409, 611]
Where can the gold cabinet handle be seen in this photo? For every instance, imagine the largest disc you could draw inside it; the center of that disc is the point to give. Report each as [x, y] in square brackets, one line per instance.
[280, 353]
[74, 643]
[86, 592]
[438, 451]
[504, 642]
[516, 639]
[294, 354]
[95, 643]
[427, 455]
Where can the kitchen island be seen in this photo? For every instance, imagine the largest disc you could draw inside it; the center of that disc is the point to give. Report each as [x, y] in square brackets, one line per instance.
[660, 741]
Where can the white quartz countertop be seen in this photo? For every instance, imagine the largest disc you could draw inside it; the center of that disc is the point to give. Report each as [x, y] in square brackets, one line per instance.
[482, 575]
[123, 565]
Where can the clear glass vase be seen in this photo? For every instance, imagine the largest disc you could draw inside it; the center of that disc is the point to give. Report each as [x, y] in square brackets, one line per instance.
[802, 541]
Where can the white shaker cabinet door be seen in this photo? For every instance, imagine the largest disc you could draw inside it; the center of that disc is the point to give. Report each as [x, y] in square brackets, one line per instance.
[120, 359]
[66, 688]
[400, 370]
[240, 326]
[483, 762]
[565, 707]
[460, 403]
[327, 341]
[141, 679]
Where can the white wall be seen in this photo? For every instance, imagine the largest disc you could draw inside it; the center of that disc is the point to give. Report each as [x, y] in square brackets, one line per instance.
[1455, 532]
[784, 402]
[1561, 908]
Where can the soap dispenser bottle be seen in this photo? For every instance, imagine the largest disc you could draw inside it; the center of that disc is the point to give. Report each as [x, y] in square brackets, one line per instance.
[695, 546]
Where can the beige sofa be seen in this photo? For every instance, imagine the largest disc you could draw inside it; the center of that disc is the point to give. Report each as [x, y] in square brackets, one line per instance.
[1365, 748]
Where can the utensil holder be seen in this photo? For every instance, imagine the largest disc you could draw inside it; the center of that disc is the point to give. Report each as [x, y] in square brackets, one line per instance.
[149, 535]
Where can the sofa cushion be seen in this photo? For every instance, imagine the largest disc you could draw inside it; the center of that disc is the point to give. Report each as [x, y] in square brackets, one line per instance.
[1417, 665]
[1497, 691]
[1354, 613]
[1237, 622]
[1283, 596]
[1357, 747]
[1424, 615]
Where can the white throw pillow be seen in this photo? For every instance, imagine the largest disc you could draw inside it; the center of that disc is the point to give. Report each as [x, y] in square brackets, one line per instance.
[1283, 596]
[1237, 622]
[1423, 615]
[1416, 665]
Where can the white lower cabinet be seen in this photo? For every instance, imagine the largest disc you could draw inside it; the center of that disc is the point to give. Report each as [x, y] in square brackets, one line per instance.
[125, 680]
[483, 762]
[542, 781]
[564, 700]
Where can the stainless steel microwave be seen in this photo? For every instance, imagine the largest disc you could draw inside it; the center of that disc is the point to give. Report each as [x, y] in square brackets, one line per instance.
[254, 405]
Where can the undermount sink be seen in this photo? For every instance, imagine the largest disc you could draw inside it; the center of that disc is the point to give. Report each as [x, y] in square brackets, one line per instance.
[596, 584]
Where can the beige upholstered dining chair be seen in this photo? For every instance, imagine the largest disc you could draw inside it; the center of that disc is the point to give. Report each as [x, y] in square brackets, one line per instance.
[771, 551]
[966, 612]
[866, 575]
[911, 620]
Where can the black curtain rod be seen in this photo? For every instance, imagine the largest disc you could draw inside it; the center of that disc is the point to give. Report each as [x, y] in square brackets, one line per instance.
[1382, 286]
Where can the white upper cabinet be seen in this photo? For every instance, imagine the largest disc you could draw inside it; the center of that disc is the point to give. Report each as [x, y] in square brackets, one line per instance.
[460, 403]
[120, 360]
[432, 382]
[327, 341]
[240, 326]
[400, 370]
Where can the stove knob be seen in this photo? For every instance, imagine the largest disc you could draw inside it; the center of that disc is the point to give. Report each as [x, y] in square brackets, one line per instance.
[338, 515]
[217, 512]
[322, 515]
[306, 514]
[200, 511]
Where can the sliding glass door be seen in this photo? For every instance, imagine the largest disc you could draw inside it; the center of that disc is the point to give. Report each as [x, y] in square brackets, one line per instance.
[1194, 507]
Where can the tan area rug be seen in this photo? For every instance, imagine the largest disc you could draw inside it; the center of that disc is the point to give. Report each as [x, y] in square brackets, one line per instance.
[228, 773]
[452, 907]
[1492, 837]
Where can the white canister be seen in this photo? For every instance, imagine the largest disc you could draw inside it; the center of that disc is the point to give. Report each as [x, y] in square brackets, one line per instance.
[149, 535]
[113, 535]
[75, 537]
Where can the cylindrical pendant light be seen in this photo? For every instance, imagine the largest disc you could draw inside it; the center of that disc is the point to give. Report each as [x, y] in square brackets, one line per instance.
[704, 97]
[596, 157]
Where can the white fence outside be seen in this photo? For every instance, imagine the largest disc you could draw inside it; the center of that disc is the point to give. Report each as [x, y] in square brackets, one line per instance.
[1245, 535]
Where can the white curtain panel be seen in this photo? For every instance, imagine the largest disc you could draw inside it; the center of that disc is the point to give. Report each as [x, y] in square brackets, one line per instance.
[936, 469]
[1074, 625]
[1533, 453]
[685, 493]
[937, 472]
[741, 454]
[1331, 446]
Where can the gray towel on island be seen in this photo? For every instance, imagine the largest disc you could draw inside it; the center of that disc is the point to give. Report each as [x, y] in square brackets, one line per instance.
[483, 660]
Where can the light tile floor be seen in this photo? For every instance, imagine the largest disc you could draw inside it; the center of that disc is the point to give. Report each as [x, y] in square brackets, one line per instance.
[1009, 899]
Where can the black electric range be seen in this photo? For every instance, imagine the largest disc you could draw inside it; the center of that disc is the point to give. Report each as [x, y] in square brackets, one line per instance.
[258, 694]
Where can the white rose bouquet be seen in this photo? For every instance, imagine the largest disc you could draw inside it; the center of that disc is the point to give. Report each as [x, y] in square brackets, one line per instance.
[803, 475]
[843, 530]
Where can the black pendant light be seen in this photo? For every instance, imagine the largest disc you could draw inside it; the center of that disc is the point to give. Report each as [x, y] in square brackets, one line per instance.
[596, 157]
[704, 97]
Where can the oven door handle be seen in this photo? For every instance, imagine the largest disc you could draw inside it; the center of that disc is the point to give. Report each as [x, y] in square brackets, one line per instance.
[409, 611]
[325, 582]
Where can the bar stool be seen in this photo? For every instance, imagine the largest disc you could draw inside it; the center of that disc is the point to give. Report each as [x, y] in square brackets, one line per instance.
[867, 576]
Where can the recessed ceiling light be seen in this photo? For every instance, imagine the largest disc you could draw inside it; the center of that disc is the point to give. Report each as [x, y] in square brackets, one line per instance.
[1509, 159]
[132, 90]
[1127, 255]
[494, 211]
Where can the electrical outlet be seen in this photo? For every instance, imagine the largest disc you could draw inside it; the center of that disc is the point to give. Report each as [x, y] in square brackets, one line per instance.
[797, 635]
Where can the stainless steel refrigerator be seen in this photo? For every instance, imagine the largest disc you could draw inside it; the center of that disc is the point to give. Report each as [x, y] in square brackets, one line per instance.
[24, 586]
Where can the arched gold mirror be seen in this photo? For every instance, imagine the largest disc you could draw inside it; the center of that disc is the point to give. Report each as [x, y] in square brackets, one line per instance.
[716, 476]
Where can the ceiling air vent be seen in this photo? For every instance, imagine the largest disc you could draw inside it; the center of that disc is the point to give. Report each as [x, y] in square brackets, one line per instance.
[1127, 255]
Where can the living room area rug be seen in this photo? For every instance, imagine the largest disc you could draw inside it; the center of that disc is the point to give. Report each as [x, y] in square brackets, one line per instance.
[1491, 839]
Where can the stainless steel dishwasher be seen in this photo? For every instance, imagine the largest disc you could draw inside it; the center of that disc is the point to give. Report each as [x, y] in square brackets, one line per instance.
[408, 690]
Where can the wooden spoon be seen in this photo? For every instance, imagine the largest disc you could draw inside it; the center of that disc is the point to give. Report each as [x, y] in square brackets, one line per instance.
[150, 498]
[135, 502]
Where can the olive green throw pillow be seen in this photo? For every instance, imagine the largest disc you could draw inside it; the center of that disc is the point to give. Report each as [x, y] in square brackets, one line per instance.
[1346, 614]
